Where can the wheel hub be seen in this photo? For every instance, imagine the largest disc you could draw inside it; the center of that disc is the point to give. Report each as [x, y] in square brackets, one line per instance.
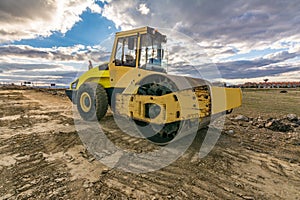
[85, 102]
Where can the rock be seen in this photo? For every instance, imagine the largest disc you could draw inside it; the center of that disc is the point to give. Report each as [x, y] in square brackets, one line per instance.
[195, 158]
[144, 176]
[184, 194]
[86, 184]
[260, 120]
[283, 91]
[57, 180]
[24, 187]
[260, 126]
[292, 117]
[239, 185]
[269, 124]
[277, 125]
[241, 118]
[76, 162]
[35, 181]
[230, 132]
[296, 143]
[248, 197]
[68, 157]
[105, 171]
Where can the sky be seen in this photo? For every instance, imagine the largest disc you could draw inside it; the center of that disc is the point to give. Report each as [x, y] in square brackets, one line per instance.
[51, 41]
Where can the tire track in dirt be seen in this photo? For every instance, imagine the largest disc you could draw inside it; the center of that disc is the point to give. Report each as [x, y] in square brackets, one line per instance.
[47, 161]
[27, 171]
[221, 180]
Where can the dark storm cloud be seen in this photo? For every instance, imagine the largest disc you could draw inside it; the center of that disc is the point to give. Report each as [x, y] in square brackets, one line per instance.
[242, 68]
[226, 21]
[252, 69]
[259, 67]
[234, 70]
[222, 28]
[10, 10]
[24, 19]
[18, 18]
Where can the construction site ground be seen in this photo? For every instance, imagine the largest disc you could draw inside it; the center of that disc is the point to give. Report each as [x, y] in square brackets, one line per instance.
[42, 156]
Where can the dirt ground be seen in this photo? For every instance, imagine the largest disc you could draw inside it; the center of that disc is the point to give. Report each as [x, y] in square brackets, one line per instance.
[42, 157]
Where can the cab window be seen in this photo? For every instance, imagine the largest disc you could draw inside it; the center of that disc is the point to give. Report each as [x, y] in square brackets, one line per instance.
[126, 51]
[152, 53]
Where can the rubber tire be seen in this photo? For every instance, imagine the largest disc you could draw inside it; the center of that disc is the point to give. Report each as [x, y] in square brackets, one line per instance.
[99, 101]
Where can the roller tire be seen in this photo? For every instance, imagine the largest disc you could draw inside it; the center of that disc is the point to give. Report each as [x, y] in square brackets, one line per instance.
[92, 101]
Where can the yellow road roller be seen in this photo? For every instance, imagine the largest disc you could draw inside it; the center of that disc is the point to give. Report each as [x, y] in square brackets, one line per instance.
[135, 84]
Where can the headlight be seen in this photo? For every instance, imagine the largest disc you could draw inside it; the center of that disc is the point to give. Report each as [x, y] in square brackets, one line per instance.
[74, 85]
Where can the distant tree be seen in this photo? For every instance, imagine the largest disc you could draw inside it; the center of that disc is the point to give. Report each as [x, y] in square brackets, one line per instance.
[266, 80]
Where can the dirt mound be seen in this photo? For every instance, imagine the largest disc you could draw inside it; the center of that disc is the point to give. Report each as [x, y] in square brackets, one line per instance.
[278, 125]
[289, 123]
[56, 92]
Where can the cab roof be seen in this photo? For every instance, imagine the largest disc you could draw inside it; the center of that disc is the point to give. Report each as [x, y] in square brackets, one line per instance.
[142, 30]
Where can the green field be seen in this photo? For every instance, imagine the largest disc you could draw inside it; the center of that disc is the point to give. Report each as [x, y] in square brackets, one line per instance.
[269, 102]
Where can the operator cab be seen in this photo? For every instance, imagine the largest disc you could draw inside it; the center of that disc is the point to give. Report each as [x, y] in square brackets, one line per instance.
[143, 48]
[153, 52]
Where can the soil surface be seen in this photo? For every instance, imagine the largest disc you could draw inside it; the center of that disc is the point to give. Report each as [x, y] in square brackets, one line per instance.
[42, 156]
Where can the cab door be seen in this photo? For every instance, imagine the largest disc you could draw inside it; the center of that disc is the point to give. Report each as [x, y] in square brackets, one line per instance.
[124, 58]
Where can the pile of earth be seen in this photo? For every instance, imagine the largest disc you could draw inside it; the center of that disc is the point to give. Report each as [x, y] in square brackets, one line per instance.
[288, 123]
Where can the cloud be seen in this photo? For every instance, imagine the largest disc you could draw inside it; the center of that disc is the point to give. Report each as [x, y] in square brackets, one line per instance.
[270, 65]
[246, 25]
[8, 67]
[241, 69]
[119, 14]
[143, 9]
[74, 53]
[221, 29]
[37, 73]
[58, 64]
[31, 18]
[214, 31]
